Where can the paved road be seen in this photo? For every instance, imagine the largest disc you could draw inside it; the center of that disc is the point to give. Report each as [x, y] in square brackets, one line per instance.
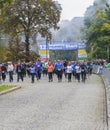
[54, 106]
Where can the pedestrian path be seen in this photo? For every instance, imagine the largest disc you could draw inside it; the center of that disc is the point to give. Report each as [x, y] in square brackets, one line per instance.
[54, 106]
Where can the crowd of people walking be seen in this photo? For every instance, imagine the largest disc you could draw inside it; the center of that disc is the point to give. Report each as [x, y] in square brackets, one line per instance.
[80, 71]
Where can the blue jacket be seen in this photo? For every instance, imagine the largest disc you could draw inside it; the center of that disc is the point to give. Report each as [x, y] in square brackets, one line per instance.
[59, 66]
[38, 66]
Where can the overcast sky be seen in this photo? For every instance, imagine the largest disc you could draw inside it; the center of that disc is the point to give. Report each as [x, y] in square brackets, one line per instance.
[74, 8]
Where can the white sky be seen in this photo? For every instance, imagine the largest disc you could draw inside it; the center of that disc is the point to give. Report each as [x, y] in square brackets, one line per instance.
[74, 8]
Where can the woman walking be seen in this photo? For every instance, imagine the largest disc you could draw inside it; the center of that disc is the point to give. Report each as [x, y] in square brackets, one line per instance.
[10, 71]
[50, 69]
[69, 71]
[78, 71]
[59, 67]
[32, 72]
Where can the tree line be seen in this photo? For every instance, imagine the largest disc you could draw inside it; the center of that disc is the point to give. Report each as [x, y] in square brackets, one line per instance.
[23, 20]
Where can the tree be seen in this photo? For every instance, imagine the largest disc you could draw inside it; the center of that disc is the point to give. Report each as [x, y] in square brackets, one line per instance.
[3, 54]
[17, 52]
[16, 48]
[32, 16]
[2, 4]
[98, 32]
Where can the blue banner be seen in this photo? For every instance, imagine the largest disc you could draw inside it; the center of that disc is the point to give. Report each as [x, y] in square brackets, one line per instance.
[62, 46]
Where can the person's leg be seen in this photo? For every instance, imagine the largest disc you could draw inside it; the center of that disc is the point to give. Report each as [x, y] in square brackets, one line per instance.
[51, 76]
[32, 78]
[18, 77]
[11, 76]
[70, 76]
[21, 75]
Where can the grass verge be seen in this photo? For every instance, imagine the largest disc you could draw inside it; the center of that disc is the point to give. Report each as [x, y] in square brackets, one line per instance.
[5, 87]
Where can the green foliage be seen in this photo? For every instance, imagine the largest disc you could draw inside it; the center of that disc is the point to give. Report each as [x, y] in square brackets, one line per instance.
[97, 33]
[68, 55]
[3, 2]
[31, 16]
[99, 53]
[3, 54]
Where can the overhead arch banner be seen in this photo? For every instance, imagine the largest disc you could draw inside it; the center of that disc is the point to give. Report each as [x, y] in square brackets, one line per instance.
[62, 46]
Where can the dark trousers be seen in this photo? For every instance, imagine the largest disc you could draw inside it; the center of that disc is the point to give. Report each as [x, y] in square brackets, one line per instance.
[39, 74]
[11, 76]
[44, 72]
[59, 75]
[78, 76]
[0, 76]
[50, 75]
[19, 76]
[3, 76]
[32, 77]
[83, 76]
[74, 74]
[69, 77]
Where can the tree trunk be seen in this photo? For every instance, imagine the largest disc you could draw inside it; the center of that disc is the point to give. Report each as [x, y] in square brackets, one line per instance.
[27, 49]
[35, 44]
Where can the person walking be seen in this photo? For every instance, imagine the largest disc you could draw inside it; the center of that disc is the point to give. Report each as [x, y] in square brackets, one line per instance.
[100, 69]
[10, 69]
[78, 71]
[44, 68]
[65, 66]
[83, 71]
[38, 66]
[50, 69]
[3, 71]
[32, 72]
[59, 70]
[69, 71]
[28, 65]
[19, 72]
[74, 70]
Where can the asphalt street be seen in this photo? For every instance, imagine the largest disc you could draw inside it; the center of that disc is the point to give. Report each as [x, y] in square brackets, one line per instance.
[47, 105]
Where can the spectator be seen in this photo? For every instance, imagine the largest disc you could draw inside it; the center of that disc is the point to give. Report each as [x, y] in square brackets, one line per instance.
[100, 69]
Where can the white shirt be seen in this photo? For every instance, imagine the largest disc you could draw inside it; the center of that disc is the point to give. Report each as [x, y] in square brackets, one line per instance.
[10, 67]
[78, 69]
[69, 69]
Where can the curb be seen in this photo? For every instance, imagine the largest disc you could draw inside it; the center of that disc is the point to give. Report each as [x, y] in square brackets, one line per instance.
[9, 90]
[107, 101]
